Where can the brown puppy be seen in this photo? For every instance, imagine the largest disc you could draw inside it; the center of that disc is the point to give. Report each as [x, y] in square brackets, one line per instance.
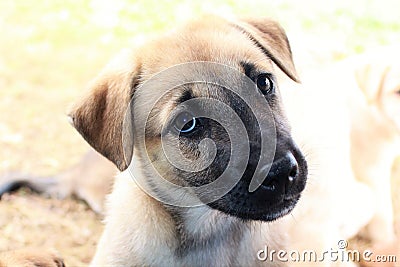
[226, 231]
[230, 67]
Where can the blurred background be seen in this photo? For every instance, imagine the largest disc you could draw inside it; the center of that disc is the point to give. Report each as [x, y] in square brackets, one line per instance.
[51, 49]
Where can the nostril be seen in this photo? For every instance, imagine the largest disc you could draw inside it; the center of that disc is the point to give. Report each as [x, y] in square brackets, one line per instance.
[293, 173]
[293, 167]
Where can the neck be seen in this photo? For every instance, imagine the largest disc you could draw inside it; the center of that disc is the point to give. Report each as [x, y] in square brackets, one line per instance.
[208, 233]
[209, 236]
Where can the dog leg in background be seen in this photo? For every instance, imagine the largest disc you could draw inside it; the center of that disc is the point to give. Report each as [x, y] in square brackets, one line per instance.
[30, 258]
[89, 180]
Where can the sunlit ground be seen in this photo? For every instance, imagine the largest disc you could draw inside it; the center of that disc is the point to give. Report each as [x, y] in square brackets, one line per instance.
[51, 49]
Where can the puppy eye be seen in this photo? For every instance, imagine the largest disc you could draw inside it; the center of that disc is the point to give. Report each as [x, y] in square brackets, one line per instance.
[265, 83]
[185, 122]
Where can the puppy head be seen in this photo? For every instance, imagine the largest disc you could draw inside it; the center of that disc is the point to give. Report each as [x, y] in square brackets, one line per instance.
[252, 48]
[378, 77]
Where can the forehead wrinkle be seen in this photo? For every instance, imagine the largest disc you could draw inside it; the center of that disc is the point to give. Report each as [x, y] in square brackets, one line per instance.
[257, 66]
[163, 109]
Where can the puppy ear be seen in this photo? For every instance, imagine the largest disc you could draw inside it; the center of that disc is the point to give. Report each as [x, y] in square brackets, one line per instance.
[99, 116]
[271, 38]
[370, 74]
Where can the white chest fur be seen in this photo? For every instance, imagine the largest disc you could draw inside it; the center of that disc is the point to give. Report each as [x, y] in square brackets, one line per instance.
[140, 232]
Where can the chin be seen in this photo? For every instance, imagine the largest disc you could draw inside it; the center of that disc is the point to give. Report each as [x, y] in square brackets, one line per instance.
[266, 213]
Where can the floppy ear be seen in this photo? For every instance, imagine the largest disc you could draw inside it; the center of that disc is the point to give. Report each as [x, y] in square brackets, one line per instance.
[100, 115]
[370, 79]
[271, 38]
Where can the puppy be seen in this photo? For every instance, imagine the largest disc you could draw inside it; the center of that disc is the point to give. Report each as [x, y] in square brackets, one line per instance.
[376, 129]
[351, 137]
[330, 209]
[154, 228]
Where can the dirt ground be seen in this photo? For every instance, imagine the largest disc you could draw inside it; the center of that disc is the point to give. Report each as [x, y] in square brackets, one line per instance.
[33, 221]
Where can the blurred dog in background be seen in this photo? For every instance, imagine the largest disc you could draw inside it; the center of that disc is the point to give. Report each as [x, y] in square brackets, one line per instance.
[375, 134]
[346, 118]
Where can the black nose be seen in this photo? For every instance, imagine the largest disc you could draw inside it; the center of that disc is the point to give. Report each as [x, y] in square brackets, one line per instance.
[282, 175]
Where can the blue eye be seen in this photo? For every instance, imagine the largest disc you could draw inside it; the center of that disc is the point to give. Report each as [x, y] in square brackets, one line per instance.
[185, 122]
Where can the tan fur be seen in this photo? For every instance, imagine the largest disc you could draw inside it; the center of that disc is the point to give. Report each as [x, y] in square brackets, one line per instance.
[111, 93]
